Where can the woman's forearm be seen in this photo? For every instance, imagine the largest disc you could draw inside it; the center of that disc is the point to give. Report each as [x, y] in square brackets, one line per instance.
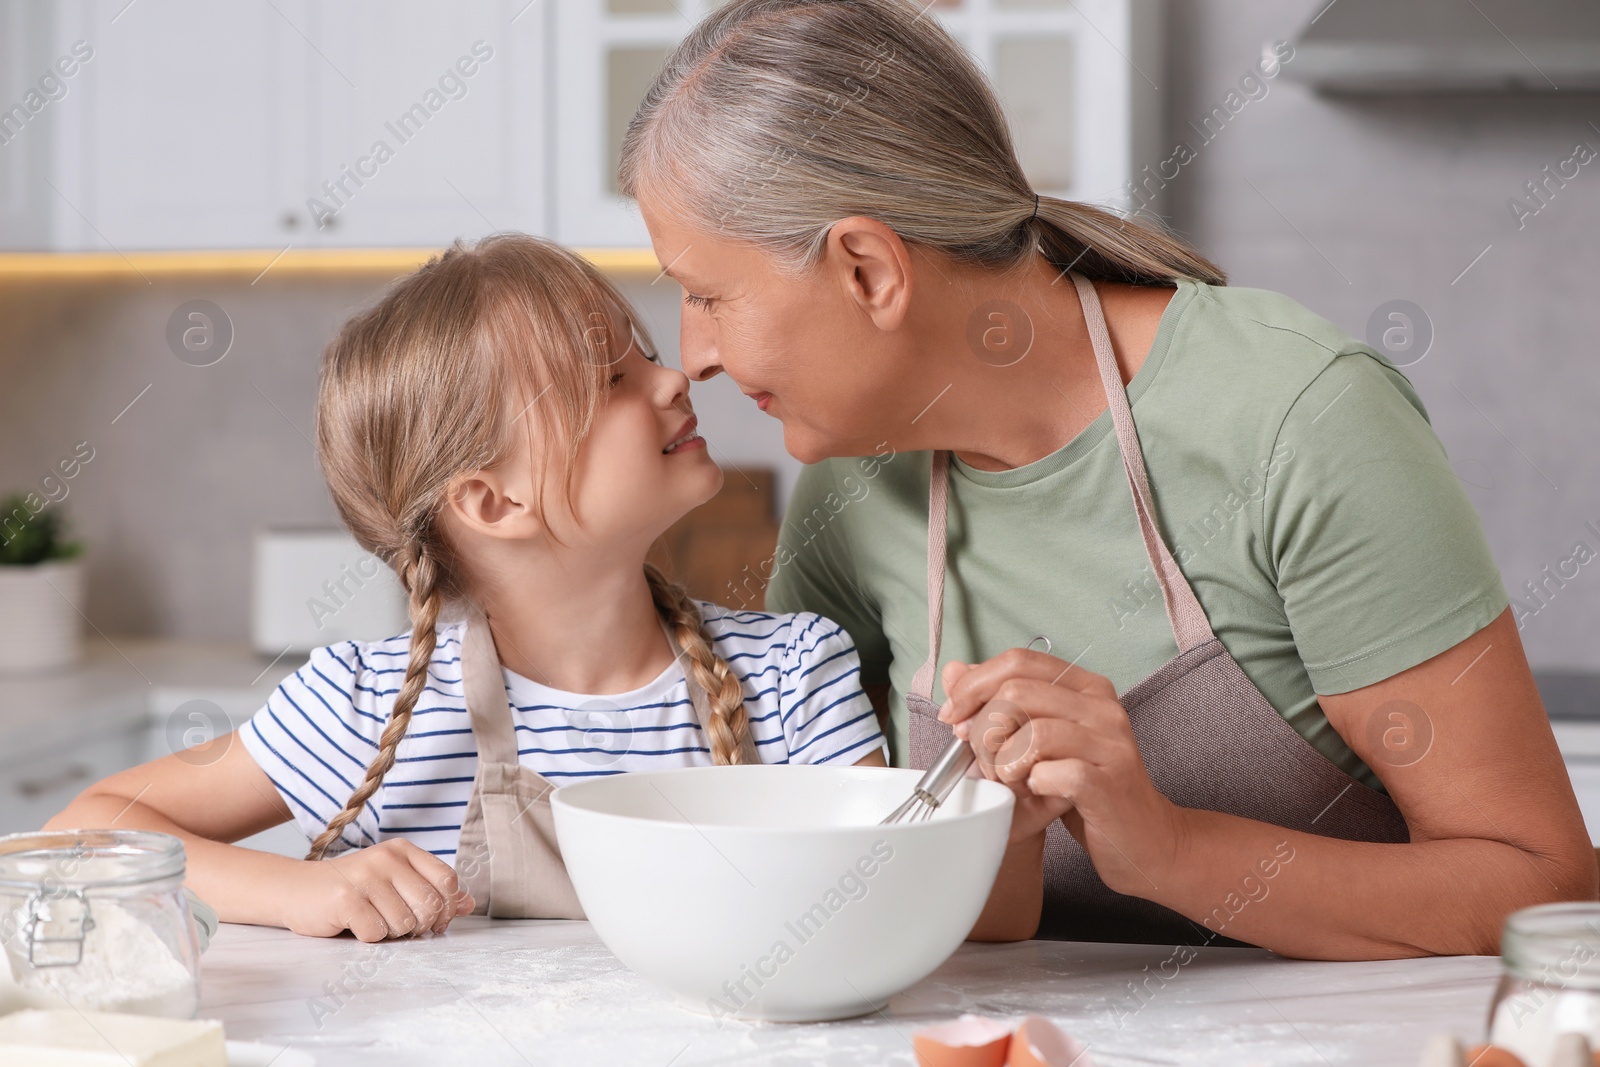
[242, 884]
[1013, 909]
[1323, 898]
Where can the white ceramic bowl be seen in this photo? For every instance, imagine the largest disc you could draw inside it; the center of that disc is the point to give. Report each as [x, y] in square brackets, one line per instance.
[770, 892]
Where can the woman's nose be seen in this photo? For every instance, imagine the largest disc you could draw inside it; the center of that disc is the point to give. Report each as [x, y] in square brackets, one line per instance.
[697, 347]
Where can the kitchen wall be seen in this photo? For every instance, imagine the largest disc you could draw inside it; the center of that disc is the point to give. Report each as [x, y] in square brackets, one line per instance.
[1344, 205]
[204, 456]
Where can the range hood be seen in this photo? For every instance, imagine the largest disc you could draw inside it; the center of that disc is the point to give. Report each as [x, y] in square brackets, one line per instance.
[1408, 46]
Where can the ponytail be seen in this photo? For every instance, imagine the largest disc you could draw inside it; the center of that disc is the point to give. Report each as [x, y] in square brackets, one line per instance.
[1108, 247]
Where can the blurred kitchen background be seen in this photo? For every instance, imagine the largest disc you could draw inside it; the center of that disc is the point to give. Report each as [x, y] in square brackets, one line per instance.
[192, 199]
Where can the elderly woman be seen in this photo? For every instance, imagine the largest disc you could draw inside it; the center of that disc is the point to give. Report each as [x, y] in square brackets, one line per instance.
[1280, 697]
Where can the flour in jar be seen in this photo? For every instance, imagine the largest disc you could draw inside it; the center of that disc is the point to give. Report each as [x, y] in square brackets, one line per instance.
[125, 967]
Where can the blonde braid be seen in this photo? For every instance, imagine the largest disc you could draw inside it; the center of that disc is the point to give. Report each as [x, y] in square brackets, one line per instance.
[730, 724]
[420, 573]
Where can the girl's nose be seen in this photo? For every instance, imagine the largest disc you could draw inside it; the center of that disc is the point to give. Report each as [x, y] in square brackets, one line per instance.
[673, 387]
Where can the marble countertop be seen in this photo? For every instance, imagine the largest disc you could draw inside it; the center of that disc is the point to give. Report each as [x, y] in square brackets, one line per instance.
[496, 992]
[493, 992]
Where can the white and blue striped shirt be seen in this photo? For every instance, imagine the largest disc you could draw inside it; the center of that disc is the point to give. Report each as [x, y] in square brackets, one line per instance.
[320, 729]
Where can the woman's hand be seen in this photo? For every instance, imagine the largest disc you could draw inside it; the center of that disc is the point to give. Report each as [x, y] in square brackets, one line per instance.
[391, 889]
[1476, 772]
[1059, 737]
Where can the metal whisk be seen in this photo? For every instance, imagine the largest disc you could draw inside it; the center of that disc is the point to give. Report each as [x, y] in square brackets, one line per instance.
[936, 785]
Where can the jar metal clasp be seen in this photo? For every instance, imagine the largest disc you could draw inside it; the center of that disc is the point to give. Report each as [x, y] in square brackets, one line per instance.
[54, 927]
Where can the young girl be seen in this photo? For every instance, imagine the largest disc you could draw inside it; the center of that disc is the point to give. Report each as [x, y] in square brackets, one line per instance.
[494, 430]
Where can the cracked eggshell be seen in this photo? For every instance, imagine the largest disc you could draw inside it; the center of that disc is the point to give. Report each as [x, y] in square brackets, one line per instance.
[1039, 1042]
[970, 1041]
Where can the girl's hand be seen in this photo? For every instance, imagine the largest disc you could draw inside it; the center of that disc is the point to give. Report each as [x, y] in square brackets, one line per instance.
[391, 889]
[208, 796]
[1059, 737]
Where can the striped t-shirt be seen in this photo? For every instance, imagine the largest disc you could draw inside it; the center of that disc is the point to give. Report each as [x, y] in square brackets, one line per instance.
[319, 730]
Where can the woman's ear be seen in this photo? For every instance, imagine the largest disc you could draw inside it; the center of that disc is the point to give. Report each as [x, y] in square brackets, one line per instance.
[874, 267]
[487, 503]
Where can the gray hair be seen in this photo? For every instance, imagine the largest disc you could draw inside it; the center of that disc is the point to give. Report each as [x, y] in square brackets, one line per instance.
[773, 119]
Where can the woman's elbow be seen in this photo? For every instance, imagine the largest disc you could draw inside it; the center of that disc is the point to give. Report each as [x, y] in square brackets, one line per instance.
[1570, 865]
[1576, 875]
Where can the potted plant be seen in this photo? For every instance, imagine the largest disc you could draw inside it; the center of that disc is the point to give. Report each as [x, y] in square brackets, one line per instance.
[41, 588]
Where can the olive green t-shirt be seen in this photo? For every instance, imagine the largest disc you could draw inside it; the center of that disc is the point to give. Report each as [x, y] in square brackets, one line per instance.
[1296, 479]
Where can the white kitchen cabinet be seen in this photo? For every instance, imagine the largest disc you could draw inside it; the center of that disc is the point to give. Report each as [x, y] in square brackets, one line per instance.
[299, 124]
[26, 127]
[35, 788]
[426, 121]
[290, 124]
[181, 131]
[124, 704]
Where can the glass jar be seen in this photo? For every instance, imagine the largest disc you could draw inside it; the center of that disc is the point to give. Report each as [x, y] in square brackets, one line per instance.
[1550, 981]
[97, 920]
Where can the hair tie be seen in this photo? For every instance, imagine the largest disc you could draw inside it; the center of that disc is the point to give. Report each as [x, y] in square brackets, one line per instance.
[1035, 208]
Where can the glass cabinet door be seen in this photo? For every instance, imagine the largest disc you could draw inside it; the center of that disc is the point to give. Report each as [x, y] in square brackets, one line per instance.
[607, 54]
[1076, 80]
[1034, 76]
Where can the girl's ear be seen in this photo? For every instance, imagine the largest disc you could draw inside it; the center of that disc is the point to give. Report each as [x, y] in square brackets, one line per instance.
[488, 503]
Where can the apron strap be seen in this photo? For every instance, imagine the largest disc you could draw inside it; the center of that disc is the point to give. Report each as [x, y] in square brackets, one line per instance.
[1190, 627]
[938, 492]
[484, 684]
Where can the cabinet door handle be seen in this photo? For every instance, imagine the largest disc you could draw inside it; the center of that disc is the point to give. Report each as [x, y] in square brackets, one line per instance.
[38, 787]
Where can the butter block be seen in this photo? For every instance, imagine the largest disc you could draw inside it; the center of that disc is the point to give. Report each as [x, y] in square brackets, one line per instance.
[108, 1039]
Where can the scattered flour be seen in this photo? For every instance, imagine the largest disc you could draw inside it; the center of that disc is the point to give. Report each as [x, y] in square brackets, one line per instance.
[578, 1004]
[125, 967]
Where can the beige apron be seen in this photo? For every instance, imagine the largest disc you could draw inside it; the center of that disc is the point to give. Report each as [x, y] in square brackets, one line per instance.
[1207, 735]
[508, 858]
